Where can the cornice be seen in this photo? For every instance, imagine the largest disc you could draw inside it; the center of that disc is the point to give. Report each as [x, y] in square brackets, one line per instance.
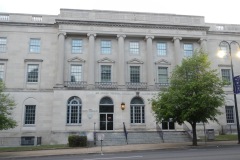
[27, 24]
[132, 25]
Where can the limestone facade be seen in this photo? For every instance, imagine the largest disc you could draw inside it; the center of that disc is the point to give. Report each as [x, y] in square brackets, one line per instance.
[133, 47]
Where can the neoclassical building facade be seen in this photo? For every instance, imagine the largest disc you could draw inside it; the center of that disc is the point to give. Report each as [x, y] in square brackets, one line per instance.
[90, 70]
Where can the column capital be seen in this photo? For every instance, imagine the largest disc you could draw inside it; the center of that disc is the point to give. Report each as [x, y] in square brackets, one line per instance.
[148, 36]
[121, 35]
[91, 34]
[177, 38]
[62, 33]
[202, 39]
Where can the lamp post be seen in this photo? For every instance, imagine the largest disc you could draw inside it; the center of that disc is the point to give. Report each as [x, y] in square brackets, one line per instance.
[235, 98]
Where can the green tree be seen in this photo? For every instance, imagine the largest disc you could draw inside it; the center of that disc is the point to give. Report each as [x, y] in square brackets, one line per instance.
[6, 106]
[194, 95]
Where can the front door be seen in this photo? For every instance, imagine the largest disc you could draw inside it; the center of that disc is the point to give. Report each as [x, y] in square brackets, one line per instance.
[106, 121]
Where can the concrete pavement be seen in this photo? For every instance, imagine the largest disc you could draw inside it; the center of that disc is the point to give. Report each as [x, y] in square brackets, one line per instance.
[112, 149]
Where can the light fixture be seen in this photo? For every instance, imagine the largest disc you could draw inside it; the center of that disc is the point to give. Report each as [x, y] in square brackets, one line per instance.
[122, 105]
[221, 53]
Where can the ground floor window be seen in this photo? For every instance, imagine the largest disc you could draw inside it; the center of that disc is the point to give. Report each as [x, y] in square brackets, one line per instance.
[229, 114]
[30, 114]
[137, 109]
[74, 110]
[168, 125]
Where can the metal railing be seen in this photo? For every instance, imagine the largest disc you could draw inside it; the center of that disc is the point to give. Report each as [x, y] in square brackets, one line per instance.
[125, 132]
[114, 86]
[188, 130]
[76, 85]
[160, 132]
[106, 85]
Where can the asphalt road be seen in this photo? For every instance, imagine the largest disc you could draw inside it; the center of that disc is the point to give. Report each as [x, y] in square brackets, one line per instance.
[209, 153]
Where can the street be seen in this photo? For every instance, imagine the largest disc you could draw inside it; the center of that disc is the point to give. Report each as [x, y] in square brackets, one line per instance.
[208, 153]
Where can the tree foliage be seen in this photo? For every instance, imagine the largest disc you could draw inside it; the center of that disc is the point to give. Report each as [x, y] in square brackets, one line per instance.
[194, 95]
[6, 106]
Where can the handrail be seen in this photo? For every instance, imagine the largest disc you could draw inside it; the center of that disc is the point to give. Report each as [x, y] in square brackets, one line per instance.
[188, 130]
[125, 132]
[160, 132]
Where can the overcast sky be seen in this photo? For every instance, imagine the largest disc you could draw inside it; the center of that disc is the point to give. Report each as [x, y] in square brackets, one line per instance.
[214, 11]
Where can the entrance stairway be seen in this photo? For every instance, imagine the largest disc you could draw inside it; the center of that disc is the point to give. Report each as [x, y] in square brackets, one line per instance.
[142, 137]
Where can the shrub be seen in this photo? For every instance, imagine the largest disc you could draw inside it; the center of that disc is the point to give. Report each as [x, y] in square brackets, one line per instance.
[77, 141]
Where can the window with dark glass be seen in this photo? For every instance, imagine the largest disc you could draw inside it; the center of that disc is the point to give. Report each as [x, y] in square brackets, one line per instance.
[229, 114]
[32, 73]
[30, 114]
[135, 74]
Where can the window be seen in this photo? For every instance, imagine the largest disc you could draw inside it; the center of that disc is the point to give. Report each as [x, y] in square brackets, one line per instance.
[137, 110]
[106, 47]
[32, 73]
[1, 72]
[134, 47]
[161, 49]
[188, 50]
[3, 44]
[74, 110]
[226, 75]
[220, 28]
[4, 17]
[162, 75]
[105, 73]
[229, 114]
[30, 113]
[135, 74]
[34, 45]
[27, 140]
[76, 73]
[37, 18]
[77, 46]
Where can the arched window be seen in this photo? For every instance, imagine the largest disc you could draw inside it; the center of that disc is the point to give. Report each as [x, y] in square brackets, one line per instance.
[137, 110]
[74, 110]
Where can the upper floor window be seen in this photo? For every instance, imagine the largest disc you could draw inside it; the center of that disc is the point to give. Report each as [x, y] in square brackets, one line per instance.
[105, 73]
[34, 45]
[77, 46]
[74, 110]
[30, 114]
[161, 49]
[188, 49]
[162, 75]
[76, 73]
[135, 74]
[3, 44]
[1, 72]
[134, 48]
[37, 18]
[32, 72]
[226, 76]
[220, 28]
[4, 17]
[106, 47]
[229, 114]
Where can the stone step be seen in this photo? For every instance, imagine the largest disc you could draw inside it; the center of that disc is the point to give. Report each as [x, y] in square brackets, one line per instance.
[142, 137]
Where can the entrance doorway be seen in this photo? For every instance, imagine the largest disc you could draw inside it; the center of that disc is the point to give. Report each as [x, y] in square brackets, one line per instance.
[106, 110]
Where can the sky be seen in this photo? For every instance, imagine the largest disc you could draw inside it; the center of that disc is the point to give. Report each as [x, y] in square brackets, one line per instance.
[214, 11]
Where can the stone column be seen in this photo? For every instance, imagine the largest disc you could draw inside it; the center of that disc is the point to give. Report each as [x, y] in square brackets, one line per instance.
[91, 59]
[149, 61]
[203, 43]
[61, 59]
[178, 54]
[121, 60]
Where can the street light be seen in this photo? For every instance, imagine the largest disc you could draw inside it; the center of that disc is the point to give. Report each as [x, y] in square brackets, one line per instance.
[221, 53]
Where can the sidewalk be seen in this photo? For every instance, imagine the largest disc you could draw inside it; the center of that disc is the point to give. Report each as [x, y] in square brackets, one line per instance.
[112, 149]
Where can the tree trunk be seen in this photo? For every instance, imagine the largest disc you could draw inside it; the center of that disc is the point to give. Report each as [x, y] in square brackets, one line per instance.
[194, 132]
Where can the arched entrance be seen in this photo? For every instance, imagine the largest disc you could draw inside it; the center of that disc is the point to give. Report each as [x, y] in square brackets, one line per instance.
[106, 110]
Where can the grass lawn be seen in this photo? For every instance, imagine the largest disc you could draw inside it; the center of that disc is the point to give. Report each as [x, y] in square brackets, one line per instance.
[225, 137]
[33, 148]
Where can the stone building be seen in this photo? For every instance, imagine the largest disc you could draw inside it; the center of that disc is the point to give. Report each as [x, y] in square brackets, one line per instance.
[71, 73]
